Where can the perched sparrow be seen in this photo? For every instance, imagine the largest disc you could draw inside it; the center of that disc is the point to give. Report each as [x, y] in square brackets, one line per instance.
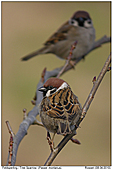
[60, 108]
[79, 28]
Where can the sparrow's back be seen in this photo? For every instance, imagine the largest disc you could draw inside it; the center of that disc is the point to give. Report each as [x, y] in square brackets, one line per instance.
[65, 109]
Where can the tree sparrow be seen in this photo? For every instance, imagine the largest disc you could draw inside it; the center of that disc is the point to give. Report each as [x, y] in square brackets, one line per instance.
[78, 28]
[60, 108]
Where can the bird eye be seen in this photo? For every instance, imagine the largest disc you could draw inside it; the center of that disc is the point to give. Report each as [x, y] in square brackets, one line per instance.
[50, 91]
[73, 22]
[50, 87]
[88, 23]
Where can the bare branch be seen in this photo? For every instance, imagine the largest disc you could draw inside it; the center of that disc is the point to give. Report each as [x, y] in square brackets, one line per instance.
[68, 61]
[97, 44]
[30, 118]
[101, 41]
[10, 144]
[84, 111]
[10, 150]
[43, 74]
[9, 128]
[36, 122]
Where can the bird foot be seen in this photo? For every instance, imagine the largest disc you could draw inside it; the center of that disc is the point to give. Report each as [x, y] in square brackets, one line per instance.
[51, 143]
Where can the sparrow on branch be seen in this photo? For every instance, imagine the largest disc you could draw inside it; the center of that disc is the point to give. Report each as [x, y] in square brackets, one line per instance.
[59, 108]
[78, 28]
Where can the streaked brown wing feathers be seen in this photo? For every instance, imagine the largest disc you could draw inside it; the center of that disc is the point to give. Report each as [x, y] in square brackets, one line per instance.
[63, 105]
[71, 105]
[61, 34]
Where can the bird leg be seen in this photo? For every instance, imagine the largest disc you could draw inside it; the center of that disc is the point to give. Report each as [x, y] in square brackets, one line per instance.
[50, 141]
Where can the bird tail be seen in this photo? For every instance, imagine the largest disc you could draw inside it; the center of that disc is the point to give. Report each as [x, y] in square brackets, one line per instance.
[43, 50]
[63, 127]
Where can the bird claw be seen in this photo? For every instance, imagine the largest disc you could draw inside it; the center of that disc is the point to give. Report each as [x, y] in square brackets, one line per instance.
[50, 142]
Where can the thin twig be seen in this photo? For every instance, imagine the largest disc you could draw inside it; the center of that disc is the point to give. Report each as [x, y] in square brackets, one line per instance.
[84, 111]
[95, 86]
[36, 122]
[24, 113]
[43, 74]
[10, 129]
[10, 150]
[97, 44]
[68, 61]
[10, 143]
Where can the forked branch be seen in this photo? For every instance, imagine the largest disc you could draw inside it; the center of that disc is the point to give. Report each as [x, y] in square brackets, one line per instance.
[84, 111]
[30, 118]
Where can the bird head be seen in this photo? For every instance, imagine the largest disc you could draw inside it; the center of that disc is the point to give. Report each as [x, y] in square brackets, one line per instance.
[52, 85]
[81, 19]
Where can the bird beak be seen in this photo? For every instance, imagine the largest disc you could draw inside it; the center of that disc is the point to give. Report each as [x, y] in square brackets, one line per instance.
[42, 89]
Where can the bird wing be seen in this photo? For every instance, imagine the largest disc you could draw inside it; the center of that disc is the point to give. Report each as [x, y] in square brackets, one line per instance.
[63, 105]
[60, 34]
[65, 108]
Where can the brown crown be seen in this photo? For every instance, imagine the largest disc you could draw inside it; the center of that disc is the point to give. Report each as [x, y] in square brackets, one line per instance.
[82, 14]
[55, 82]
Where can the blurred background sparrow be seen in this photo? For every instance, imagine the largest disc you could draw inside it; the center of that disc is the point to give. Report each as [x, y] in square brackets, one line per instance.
[78, 28]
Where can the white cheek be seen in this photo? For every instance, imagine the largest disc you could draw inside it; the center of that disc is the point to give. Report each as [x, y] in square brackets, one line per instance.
[87, 25]
[75, 23]
[48, 93]
[64, 85]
